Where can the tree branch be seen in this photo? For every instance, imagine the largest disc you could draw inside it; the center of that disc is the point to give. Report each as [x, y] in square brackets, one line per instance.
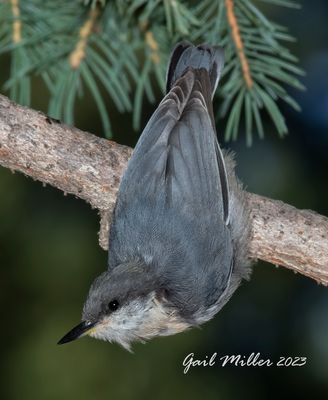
[89, 167]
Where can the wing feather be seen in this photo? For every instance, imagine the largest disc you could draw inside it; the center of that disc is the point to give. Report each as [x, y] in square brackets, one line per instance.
[178, 159]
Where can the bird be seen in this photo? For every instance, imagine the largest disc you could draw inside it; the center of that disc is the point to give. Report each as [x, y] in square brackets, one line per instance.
[180, 230]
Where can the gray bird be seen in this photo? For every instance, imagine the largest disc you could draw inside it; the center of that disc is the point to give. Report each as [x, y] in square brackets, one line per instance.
[180, 229]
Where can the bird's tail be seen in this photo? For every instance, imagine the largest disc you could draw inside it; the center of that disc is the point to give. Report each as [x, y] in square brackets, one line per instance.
[186, 56]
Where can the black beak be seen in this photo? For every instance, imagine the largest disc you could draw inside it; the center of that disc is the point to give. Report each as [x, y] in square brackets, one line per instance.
[77, 332]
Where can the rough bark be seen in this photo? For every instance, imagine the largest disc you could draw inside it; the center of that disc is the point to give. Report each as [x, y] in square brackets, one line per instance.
[89, 167]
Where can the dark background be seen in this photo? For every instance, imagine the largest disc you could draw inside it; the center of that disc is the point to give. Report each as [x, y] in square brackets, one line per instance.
[49, 255]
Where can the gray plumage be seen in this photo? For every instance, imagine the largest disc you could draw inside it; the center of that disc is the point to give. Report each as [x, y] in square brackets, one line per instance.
[180, 230]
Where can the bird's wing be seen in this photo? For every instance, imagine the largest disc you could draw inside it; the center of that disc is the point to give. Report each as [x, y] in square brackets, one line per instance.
[178, 160]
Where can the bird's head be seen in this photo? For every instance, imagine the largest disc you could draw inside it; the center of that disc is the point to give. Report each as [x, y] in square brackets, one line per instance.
[125, 305]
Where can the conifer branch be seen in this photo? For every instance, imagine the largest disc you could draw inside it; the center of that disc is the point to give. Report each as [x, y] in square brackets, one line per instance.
[130, 47]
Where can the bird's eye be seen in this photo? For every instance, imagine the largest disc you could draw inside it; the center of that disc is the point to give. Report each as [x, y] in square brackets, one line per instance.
[113, 305]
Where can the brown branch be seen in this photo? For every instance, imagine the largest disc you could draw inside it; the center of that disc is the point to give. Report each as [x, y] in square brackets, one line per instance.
[153, 46]
[286, 236]
[236, 36]
[17, 25]
[78, 53]
[89, 167]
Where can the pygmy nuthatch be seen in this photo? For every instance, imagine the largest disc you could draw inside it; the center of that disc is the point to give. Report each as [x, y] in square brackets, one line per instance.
[178, 245]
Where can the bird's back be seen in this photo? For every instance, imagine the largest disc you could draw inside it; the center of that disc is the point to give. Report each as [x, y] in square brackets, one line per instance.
[172, 210]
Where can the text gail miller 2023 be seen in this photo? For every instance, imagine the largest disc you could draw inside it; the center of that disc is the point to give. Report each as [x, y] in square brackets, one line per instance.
[238, 360]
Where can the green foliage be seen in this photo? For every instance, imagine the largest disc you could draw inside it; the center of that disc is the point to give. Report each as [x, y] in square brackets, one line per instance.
[119, 50]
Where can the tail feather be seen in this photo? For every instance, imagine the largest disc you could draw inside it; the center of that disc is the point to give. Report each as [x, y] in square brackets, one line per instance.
[185, 56]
